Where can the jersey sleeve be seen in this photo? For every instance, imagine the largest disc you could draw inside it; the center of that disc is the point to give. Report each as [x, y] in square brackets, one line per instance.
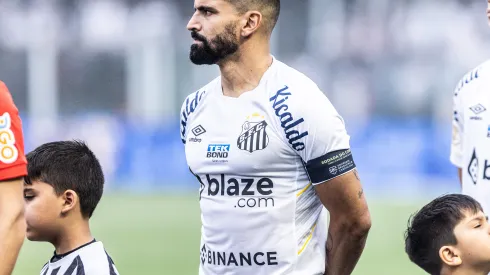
[13, 163]
[456, 155]
[315, 130]
[183, 122]
[467, 82]
[188, 108]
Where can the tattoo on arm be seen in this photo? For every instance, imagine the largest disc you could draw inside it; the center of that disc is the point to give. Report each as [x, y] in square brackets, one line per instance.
[359, 194]
[357, 175]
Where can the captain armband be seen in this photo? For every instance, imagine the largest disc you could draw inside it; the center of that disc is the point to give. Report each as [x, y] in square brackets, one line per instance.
[329, 166]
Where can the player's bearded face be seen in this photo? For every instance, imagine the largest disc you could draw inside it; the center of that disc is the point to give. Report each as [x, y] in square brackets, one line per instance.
[211, 51]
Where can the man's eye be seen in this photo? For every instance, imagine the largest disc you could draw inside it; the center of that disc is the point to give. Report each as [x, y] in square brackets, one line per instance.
[207, 12]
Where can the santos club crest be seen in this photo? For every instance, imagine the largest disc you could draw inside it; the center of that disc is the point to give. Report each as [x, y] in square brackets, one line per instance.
[254, 136]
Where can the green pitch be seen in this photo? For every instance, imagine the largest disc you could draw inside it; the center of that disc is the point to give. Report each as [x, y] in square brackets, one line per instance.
[155, 235]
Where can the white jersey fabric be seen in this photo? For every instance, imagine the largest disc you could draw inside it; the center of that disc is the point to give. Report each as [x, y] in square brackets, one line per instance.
[470, 147]
[257, 158]
[89, 259]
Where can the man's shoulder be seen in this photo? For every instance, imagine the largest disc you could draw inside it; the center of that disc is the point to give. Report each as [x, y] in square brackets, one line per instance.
[192, 102]
[294, 76]
[294, 84]
[473, 78]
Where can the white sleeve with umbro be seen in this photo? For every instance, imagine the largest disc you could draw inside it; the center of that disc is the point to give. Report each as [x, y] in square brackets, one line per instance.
[465, 87]
[456, 156]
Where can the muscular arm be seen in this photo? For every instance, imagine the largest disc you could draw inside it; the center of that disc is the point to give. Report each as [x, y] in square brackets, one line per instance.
[325, 150]
[12, 223]
[350, 222]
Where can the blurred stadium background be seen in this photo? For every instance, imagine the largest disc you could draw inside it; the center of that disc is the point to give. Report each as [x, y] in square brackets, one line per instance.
[115, 73]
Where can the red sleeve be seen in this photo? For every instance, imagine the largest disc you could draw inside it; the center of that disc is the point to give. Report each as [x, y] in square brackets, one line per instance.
[13, 163]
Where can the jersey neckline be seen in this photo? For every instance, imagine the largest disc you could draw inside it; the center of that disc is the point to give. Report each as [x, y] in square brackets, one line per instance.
[219, 87]
[57, 257]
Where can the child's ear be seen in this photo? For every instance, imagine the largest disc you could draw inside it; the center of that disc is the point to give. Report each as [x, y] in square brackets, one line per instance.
[450, 256]
[70, 199]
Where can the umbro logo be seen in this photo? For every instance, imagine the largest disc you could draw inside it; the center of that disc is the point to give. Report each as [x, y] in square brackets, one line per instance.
[478, 109]
[198, 130]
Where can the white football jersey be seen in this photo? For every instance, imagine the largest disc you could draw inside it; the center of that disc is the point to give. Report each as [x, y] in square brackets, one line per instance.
[470, 147]
[257, 158]
[88, 259]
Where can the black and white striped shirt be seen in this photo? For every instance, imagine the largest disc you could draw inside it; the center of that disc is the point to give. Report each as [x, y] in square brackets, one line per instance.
[88, 259]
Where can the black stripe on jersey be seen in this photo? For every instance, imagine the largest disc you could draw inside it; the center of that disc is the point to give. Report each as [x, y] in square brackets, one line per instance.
[257, 141]
[245, 143]
[72, 267]
[251, 138]
[264, 139]
[80, 267]
[45, 266]
[55, 271]
[78, 264]
[111, 265]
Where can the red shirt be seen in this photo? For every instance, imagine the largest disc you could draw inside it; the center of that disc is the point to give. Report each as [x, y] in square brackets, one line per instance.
[13, 163]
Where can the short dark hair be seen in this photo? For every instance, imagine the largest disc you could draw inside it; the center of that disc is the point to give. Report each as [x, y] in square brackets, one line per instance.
[270, 9]
[433, 227]
[68, 165]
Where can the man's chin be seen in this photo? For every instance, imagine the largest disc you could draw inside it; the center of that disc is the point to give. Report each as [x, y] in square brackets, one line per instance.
[199, 60]
[199, 56]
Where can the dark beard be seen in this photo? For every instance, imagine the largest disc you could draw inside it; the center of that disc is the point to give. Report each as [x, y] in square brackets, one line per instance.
[212, 52]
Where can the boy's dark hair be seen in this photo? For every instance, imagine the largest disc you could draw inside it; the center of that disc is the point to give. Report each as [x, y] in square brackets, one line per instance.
[433, 227]
[68, 165]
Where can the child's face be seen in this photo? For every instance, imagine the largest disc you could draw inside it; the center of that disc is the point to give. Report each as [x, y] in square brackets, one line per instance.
[42, 211]
[473, 236]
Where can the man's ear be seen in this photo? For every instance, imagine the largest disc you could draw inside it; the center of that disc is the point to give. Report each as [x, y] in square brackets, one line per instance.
[70, 200]
[450, 256]
[250, 23]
